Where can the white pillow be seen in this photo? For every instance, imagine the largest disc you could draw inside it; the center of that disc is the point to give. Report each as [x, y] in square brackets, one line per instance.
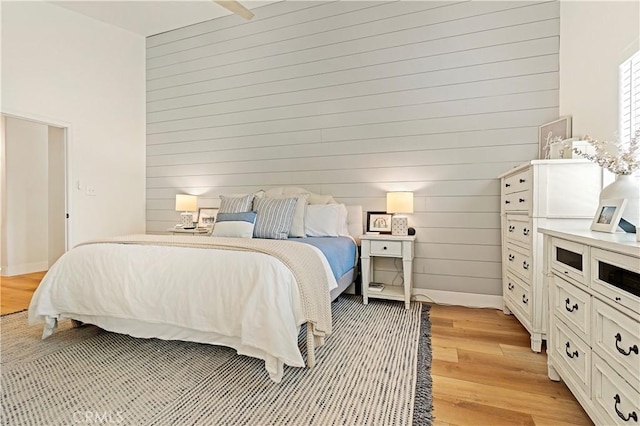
[325, 220]
[238, 225]
[297, 224]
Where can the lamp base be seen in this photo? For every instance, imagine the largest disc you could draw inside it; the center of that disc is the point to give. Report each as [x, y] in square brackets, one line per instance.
[399, 225]
[186, 220]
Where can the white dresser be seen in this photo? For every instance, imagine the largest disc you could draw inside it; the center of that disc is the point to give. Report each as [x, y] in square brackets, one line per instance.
[594, 329]
[535, 194]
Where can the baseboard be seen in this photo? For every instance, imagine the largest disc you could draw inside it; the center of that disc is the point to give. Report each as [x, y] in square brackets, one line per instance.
[25, 268]
[470, 300]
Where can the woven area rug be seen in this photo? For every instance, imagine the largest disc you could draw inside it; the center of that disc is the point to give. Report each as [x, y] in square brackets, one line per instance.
[365, 374]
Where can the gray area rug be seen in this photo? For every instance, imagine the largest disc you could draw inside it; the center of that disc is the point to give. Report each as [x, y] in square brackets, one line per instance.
[365, 374]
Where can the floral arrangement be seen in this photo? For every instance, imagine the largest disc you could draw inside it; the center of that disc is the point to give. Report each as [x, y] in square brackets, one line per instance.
[624, 160]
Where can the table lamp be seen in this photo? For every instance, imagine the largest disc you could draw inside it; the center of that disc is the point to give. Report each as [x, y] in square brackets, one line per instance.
[186, 204]
[399, 203]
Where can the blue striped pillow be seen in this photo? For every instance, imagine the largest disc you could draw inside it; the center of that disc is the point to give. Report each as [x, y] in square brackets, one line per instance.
[274, 217]
[236, 204]
[239, 225]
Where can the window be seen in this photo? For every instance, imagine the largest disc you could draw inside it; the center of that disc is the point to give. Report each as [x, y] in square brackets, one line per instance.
[629, 97]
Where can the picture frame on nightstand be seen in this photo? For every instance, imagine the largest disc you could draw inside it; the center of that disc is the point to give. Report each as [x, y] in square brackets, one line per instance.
[207, 217]
[379, 222]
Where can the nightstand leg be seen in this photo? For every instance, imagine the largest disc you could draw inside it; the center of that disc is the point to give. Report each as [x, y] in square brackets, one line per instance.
[366, 279]
[407, 270]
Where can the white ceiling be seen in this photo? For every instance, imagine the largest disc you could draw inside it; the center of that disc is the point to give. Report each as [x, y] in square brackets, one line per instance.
[152, 17]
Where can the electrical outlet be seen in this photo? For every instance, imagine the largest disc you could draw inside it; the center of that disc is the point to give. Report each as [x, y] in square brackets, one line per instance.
[91, 190]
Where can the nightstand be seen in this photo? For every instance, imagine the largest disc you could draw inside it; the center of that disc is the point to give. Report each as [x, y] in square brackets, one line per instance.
[401, 247]
[192, 231]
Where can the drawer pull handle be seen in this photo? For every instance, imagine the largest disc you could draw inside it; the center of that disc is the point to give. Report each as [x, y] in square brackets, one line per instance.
[618, 299]
[511, 228]
[511, 257]
[522, 181]
[507, 202]
[521, 200]
[525, 265]
[566, 272]
[570, 308]
[384, 248]
[631, 415]
[525, 299]
[633, 348]
[507, 185]
[525, 232]
[573, 354]
[510, 286]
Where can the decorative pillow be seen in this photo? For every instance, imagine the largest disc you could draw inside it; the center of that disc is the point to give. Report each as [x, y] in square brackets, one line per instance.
[274, 217]
[295, 190]
[325, 220]
[239, 225]
[240, 204]
[297, 224]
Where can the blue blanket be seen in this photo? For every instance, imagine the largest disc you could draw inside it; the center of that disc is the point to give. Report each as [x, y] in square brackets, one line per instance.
[339, 251]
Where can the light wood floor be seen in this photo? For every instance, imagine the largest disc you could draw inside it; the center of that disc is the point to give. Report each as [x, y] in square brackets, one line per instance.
[483, 370]
[15, 292]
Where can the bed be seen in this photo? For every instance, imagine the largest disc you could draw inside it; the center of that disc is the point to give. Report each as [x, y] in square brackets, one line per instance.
[250, 294]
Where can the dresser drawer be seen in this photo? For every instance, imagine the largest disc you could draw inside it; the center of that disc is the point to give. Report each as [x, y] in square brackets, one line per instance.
[519, 293]
[519, 229]
[574, 355]
[615, 401]
[518, 260]
[616, 338]
[617, 277]
[572, 306]
[386, 248]
[519, 182]
[518, 201]
[570, 260]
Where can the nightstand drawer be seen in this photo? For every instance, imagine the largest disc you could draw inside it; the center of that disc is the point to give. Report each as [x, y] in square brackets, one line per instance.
[386, 248]
[518, 201]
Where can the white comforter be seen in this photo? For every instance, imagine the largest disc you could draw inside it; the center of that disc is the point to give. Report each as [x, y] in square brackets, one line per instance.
[245, 300]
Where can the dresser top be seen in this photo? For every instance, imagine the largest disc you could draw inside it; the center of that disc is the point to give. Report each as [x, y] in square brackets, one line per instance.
[523, 166]
[618, 242]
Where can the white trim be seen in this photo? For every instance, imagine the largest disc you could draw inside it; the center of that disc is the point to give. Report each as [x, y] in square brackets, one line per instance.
[25, 268]
[469, 300]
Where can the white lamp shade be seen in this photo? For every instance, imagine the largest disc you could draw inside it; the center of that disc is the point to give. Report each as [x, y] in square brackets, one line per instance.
[399, 202]
[186, 203]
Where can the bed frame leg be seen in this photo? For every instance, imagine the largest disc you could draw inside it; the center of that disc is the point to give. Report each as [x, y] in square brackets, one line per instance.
[311, 354]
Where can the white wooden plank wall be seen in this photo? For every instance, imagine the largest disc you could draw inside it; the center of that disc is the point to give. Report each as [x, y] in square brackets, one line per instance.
[354, 99]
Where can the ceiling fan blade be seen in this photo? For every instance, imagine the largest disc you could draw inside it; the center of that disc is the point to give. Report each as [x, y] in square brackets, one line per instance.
[236, 8]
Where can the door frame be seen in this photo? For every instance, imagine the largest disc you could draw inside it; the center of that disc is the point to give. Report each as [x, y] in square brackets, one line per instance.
[67, 131]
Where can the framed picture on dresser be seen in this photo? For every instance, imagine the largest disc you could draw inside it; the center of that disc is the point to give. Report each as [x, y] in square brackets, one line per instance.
[552, 132]
[608, 215]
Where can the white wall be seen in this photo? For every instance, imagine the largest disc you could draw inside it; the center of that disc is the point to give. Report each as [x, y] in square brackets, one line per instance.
[595, 38]
[354, 99]
[62, 67]
[27, 204]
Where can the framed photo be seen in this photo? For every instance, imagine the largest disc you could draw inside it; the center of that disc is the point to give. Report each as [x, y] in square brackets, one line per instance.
[379, 222]
[552, 132]
[608, 215]
[207, 217]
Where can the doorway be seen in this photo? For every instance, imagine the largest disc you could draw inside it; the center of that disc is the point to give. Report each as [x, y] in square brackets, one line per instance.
[33, 165]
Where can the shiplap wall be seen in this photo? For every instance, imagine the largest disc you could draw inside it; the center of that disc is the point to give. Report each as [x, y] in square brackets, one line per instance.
[354, 99]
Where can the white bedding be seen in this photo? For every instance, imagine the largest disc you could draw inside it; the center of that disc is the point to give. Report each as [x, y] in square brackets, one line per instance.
[245, 300]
